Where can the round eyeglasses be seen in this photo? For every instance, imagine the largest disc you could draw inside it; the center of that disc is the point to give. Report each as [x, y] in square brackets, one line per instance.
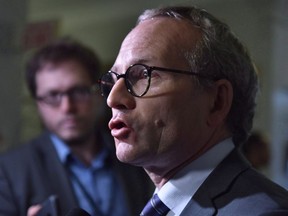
[137, 79]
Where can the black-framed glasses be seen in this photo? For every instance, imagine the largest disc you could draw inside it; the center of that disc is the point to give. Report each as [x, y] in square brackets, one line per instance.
[76, 94]
[137, 79]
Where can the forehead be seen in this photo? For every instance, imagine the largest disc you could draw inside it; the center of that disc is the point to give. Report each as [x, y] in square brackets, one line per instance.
[61, 76]
[159, 39]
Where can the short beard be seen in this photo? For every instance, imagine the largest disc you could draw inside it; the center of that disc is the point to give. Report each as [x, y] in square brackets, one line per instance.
[80, 140]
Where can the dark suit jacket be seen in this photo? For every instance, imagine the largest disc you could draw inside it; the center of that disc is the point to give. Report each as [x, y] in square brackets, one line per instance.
[234, 188]
[32, 172]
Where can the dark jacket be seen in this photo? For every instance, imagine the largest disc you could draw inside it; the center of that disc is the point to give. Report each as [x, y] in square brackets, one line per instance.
[32, 172]
[234, 188]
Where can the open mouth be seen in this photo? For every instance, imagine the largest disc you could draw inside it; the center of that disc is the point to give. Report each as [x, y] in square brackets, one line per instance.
[119, 129]
[119, 125]
[115, 124]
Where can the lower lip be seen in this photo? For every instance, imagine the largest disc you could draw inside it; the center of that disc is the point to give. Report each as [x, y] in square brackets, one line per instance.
[121, 134]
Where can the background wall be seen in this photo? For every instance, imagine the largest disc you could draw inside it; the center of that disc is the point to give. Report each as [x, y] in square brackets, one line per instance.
[12, 22]
[102, 24]
[279, 94]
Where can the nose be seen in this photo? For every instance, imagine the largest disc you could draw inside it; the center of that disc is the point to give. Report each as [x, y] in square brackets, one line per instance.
[119, 97]
[66, 104]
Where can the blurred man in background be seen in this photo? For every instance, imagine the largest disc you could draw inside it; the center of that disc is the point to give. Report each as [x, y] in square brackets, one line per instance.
[256, 150]
[73, 158]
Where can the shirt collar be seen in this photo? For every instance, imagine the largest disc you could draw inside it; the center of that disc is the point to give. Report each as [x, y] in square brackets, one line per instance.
[62, 149]
[64, 153]
[179, 190]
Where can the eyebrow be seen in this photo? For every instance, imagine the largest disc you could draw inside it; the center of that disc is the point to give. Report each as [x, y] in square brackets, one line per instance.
[142, 60]
[134, 61]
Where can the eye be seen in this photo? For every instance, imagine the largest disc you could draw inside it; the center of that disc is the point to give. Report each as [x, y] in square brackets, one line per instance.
[137, 79]
[138, 72]
[50, 98]
[53, 95]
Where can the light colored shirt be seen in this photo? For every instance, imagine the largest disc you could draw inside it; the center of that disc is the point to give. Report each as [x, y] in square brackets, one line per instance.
[98, 180]
[179, 190]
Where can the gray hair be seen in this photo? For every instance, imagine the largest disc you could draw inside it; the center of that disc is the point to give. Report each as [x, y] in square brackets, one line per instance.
[220, 55]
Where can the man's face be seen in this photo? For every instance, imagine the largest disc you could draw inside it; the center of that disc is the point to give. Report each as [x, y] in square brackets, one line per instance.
[167, 126]
[71, 120]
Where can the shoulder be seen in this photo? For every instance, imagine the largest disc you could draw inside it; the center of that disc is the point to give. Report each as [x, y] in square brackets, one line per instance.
[235, 188]
[238, 184]
[255, 186]
[23, 153]
[253, 194]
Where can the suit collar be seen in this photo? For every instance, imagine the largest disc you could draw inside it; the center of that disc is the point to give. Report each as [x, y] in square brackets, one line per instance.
[179, 190]
[216, 185]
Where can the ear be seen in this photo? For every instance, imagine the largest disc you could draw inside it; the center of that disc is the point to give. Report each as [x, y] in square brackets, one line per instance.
[220, 103]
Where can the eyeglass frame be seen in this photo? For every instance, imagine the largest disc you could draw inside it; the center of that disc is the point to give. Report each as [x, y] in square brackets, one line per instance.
[149, 69]
[69, 93]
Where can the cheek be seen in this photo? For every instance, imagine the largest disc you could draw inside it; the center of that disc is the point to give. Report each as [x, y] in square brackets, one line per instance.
[176, 120]
[159, 123]
[160, 126]
[44, 113]
[48, 117]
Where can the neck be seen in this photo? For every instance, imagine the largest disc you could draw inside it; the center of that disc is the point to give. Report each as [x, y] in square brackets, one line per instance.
[162, 175]
[160, 178]
[87, 149]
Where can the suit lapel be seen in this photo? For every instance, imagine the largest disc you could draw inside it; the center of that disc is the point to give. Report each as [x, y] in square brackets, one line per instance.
[216, 185]
[56, 180]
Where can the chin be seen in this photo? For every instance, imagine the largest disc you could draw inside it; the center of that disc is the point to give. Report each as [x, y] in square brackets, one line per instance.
[72, 139]
[127, 153]
[123, 156]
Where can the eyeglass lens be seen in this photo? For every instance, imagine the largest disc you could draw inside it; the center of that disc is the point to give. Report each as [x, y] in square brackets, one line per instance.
[78, 94]
[137, 80]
